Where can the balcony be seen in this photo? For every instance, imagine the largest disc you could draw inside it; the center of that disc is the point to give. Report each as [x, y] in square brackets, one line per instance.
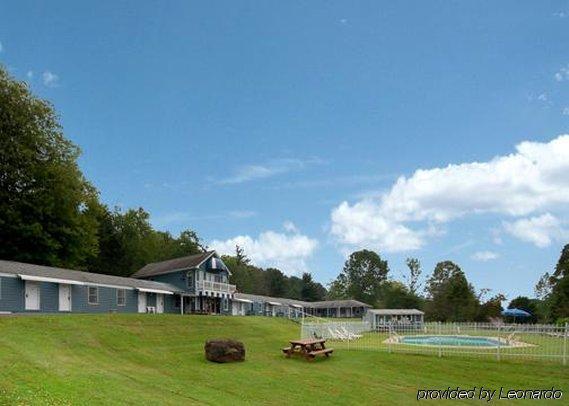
[216, 287]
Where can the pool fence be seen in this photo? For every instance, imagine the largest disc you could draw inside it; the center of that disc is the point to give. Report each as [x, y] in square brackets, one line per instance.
[546, 342]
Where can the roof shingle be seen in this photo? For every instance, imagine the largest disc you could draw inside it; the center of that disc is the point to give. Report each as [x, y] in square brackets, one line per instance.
[20, 268]
[163, 267]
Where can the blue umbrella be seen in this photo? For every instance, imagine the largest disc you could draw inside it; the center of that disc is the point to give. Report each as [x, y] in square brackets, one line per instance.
[516, 313]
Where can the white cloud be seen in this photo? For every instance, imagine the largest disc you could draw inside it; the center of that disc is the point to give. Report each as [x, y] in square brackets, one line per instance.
[484, 256]
[30, 74]
[363, 224]
[1, 47]
[565, 111]
[248, 173]
[290, 227]
[531, 180]
[560, 14]
[540, 230]
[50, 79]
[286, 251]
[562, 74]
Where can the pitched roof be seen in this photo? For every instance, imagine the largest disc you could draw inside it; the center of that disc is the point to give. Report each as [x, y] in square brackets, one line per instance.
[396, 311]
[88, 278]
[171, 265]
[337, 303]
[316, 305]
[260, 298]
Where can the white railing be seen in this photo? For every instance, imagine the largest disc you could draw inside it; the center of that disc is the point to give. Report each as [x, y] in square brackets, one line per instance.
[216, 287]
[496, 341]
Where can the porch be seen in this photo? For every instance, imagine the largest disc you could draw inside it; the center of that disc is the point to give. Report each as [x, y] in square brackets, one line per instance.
[204, 304]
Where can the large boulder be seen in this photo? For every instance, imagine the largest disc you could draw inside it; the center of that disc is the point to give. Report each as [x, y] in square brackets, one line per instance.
[224, 350]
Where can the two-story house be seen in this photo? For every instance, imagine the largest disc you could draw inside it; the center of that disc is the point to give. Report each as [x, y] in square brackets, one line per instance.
[202, 282]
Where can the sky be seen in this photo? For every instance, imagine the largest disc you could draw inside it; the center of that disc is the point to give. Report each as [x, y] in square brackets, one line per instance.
[304, 131]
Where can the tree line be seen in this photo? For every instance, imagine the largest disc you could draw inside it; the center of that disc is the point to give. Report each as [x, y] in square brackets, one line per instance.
[447, 294]
[271, 281]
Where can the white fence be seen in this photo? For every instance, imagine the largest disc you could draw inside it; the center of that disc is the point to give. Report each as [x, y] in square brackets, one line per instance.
[505, 341]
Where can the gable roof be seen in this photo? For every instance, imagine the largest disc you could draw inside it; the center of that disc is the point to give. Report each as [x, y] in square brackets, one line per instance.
[269, 299]
[172, 265]
[62, 275]
[337, 303]
[402, 312]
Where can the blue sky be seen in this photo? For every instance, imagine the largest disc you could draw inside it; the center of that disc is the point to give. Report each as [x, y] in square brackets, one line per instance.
[305, 131]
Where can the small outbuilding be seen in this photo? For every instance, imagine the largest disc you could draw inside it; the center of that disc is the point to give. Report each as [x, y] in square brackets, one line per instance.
[382, 318]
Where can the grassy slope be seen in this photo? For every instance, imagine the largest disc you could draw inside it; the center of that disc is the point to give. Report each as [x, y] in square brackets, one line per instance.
[143, 359]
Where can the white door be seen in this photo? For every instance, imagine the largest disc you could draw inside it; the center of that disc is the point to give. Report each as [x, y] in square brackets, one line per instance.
[142, 302]
[32, 295]
[159, 303]
[235, 308]
[64, 297]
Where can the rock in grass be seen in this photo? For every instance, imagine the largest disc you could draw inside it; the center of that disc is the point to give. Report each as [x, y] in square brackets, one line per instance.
[224, 350]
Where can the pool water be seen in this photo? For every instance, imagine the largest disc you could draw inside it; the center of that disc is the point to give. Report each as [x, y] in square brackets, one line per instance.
[451, 341]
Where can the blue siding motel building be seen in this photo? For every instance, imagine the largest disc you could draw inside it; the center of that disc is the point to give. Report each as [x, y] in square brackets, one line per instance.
[193, 284]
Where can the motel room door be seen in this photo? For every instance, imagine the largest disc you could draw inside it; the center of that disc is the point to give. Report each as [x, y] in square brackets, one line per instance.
[236, 308]
[32, 295]
[142, 302]
[159, 303]
[64, 297]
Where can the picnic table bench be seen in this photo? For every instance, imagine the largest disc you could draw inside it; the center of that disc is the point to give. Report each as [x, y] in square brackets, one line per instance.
[308, 348]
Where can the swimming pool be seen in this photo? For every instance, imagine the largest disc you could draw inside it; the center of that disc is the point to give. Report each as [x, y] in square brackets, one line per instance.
[452, 341]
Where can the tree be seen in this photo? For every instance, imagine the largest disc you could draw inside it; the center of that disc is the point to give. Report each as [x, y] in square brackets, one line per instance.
[361, 278]
[492, 308]
[543, 287]
[46, 205]
[559, 296]
[413, 280]
[395, 295]
[451, 297]
[522, 302]
[311, 291]
[240, 256]
[127, 242]
[276, 282]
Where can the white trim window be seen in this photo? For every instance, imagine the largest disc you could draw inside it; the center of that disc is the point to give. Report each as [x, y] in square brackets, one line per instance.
[121, 297]
[225, 304]
[93, 295]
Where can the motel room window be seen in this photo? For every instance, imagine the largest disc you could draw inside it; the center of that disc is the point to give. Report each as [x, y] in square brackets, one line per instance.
[121, 297]
[93, 294]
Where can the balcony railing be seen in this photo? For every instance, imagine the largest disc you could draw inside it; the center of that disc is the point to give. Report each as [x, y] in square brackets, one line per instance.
[216, 287]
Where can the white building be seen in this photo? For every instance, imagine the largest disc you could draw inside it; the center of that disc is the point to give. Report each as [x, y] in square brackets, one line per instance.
[379, 318]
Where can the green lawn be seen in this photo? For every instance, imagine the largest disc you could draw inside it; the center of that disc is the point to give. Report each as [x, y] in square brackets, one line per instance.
[158, 359]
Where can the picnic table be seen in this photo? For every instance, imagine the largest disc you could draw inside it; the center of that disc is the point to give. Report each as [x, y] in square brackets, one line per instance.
[308, 348]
